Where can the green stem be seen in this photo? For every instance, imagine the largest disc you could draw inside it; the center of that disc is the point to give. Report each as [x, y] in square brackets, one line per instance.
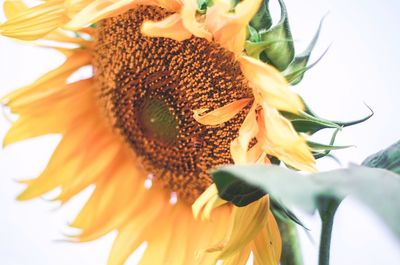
[327, 208]
[291, 251]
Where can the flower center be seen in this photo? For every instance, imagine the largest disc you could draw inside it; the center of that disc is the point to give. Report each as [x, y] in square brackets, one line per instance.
[149, 88]
[157, 120]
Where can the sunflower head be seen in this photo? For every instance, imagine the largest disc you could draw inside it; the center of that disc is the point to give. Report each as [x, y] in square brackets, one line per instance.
[179, 87]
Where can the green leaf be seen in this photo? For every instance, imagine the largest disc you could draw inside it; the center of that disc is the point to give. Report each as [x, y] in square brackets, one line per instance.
[377, 188]
[237, 191]
[262, 20]
[284, 213]
[280, 52]
[388, 158]
[295, 71]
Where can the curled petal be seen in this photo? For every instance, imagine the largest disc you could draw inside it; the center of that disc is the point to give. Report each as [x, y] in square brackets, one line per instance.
[247, 132]
[222, 114]
[171, 27]
[270, 85]
[257, 154]
[188, 14]
[202, 201]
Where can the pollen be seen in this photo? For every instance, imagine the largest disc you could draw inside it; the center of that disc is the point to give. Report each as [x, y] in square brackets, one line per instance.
[148, 89]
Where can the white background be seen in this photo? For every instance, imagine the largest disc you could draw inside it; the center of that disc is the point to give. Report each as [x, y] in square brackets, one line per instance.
[361, 67]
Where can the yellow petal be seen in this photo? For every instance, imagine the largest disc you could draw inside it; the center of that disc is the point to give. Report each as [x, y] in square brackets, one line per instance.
[178, 247]
[73, 7]
[248, 221]
[267, 246]
[171, 27]
[61, 36]
[130, 236]
[202, 201]
[240, 258]
[51, 80]
[158, 244]
[67, 157]
[280, 139]
[35, 22]
[248, 130]
[13, 8]
[98, 10]
[222, 114]
[98, 159]
[270, 85]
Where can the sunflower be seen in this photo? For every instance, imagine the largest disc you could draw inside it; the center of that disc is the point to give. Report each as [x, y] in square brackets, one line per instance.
[173, 95]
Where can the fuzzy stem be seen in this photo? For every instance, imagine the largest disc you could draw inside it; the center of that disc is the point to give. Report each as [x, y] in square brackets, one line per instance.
[327, 208]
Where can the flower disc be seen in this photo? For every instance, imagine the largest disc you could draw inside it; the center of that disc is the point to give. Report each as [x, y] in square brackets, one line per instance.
[149, 88]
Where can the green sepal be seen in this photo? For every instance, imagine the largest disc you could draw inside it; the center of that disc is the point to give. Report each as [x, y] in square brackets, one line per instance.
[307, 123]
[257, 49]
[202, 5]
[318, 146]
[295, 71]
[262, 20]
[326, 151]
[252, 34]
[280, 52]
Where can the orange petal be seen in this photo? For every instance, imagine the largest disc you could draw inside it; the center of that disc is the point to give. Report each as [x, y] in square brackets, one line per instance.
[229, 28]
[171, 27]
[35, 22]
[267, 246]
[270, 85]
[188, 14]
[170, 5]
[222, 114]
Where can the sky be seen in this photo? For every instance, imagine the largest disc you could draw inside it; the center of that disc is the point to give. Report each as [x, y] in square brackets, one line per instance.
[360, 68]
